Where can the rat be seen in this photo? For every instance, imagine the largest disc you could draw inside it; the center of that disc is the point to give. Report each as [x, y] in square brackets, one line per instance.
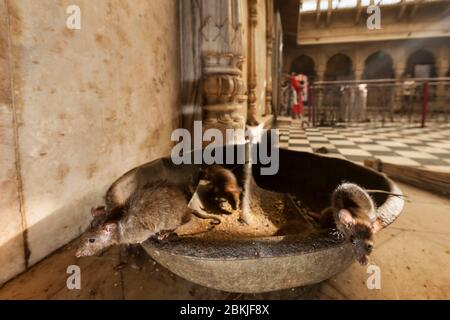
[353, 214]
[157, 210]
[119, 193]
[224, 183]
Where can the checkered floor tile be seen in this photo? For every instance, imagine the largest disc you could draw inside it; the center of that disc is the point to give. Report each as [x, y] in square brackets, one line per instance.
[393, 143]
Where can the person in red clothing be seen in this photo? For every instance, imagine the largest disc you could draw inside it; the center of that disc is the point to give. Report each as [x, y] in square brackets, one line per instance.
[301, 105]
[298, 109]
[296, 86]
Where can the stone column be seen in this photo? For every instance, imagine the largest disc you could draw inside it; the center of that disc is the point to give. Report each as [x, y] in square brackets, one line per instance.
[399, 69]
[319, 93]
[252, 77]
[321, 74]
[359, 60]
[321, 66]
[359, 73]
[277, 67]
[212, 60]
[442, 69]
[270, 38]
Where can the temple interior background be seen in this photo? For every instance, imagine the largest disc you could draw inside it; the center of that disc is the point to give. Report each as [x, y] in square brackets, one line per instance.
[80, 107]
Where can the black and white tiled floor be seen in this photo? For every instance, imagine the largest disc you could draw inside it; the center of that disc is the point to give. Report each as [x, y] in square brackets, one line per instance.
[394, 143]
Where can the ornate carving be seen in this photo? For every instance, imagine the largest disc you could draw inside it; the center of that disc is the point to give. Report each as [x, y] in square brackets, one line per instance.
[213, 40]
[269, 41]
[222, 63]
[268, 109]
[253, 12]
[223, 88]
[252, 111]
[210, 30]
[270, 38]
[223, 91]
[237, 34]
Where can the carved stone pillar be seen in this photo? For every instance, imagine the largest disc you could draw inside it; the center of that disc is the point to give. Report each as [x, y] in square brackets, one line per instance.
[359, 66]
[223, 90]
[212, 33]
[321, 69]
[252, 111]
[399, 70]
[359, 74]
[443, 64]
[443, 61]
[270, 38]
[222, 60]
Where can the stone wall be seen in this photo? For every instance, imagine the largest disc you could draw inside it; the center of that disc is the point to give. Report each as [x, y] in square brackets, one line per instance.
[78, 108]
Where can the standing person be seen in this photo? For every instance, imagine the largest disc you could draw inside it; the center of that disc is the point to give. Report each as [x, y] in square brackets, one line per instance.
[304, 99]
[293, 102]
[409, 87]
[301, 105]
[298, 109]
[362, 102]
[351, 102]
[285, 95]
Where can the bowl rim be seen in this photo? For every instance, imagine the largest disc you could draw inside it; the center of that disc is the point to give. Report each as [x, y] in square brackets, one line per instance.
[273, 246]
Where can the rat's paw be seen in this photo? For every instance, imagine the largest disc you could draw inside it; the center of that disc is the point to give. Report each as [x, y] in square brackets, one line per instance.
[337, 234]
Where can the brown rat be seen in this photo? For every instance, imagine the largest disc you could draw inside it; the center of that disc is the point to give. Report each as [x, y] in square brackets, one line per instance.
[158, 209]
[119, 193]
[353, 214]
[224, 183]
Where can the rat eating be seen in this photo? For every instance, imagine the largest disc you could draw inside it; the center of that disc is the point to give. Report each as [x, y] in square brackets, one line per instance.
[353, 214]
[157, 210]
[224, 183]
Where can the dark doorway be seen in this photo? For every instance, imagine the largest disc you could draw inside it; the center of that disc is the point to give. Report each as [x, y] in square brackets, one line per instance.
[304, 64]
[421, 64]
[339, 67]
[379, 65]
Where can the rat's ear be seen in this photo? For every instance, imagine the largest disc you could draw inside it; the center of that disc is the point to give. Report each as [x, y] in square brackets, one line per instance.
[97, 212]
[109, 227]
[346, 218]
[377, 226]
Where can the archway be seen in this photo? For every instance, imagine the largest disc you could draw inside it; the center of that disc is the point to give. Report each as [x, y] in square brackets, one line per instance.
[339, 67]
[421, 64]
[304, 64]
[379, 65]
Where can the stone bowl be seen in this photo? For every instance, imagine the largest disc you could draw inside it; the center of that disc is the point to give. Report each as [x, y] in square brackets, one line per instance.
[272, 263]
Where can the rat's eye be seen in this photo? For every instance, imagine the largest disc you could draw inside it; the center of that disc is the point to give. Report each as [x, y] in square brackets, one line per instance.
[369, 247]
[91, 240]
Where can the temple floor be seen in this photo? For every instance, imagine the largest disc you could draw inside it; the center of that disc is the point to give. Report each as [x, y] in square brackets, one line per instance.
[413, 255]
[396, 143]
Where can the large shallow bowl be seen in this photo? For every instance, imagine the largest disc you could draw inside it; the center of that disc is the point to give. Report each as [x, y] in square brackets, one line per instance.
[272, 263]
